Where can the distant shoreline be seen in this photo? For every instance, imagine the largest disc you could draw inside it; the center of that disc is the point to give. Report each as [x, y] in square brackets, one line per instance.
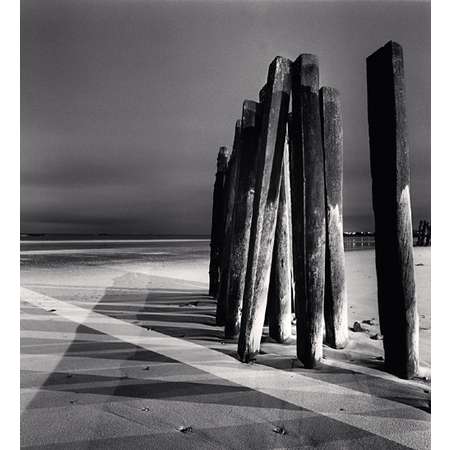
[42, 237]
[63, 238]
[107, 241]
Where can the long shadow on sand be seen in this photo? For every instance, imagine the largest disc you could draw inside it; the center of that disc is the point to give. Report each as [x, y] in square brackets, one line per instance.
[116, 371]
[186, 313]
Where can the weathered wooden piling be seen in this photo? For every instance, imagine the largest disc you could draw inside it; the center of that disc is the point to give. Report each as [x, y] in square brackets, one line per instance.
[230, 191]
[424, 229]
[308, 209]
[279, 311]
[421, 233]
[262, 97]
[265, 206]
[217, 222]
[290, 146]
[427, 233]
[389, 161]
[335, 299]
[242, 220]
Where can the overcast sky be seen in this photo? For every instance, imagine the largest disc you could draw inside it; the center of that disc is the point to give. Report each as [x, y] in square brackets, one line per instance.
[124, 104]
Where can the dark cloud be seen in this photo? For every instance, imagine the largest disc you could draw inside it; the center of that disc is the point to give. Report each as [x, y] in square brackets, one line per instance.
[124, 104]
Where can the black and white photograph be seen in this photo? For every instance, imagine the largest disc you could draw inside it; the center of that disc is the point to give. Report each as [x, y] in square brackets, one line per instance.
[225, 225]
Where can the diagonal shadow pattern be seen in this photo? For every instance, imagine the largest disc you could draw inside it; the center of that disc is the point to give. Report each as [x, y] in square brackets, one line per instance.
[177, 310]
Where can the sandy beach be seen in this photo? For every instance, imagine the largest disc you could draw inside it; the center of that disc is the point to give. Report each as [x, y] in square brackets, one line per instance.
[118, 341]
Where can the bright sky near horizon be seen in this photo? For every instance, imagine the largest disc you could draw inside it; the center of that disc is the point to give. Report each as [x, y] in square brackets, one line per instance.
[124, 104]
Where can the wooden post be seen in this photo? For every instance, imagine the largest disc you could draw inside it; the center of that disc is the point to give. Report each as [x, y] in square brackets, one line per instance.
[230, 190]
[419, 233]
[262, 98]
[243, 211]
[428, 234]
[335, 301]
[308, 209]
[265, 207]
[422, 232]
[217, 222]
[389, 162]
[279, 296]
[289, 150]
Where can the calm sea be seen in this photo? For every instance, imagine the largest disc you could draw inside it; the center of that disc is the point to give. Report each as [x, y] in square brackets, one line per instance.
[72, 241]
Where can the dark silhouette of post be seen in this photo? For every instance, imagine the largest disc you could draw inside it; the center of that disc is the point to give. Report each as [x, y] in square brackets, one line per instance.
[280, 297]
[389, 160]
[230, 190]
[308, 209]
[335, 300]
[423, 234]
[217, 222]
[265, 206]
[427, 233]
[278, 312]
[420, 233]
[262, 98]
[292, 179]
[287, 174]
[243, 211]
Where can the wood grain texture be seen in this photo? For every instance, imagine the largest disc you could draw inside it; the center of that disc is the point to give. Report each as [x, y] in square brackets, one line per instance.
[243, 211]
[265, 206]
[335, 300]
[389, 158]
[308, 209]
[217, 221]
[230, 191]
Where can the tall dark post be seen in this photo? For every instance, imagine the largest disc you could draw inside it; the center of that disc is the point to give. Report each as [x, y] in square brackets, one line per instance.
[217, 222]
[265, 206]
[280, 296]
[230, 191]
[308, 209]
[290, 142]
[243, 211]
[427, 234]
[423, 232]
[420, 233]
[335, 301]
[389, 162]
[262, 98]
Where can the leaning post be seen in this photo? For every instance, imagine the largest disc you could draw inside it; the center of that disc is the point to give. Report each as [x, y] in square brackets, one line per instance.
[279, 296]
[308, 209]
[243, 210]
[287, 175]
[279, 301]
[389, 161]
[217, 222]
[422, 232]
[428, 234]
[335, 300]
[230, 190]
[265, 206]
[294, 261]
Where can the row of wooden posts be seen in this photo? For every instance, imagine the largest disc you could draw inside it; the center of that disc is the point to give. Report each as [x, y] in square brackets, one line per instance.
[424, 234]
[277, 232]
